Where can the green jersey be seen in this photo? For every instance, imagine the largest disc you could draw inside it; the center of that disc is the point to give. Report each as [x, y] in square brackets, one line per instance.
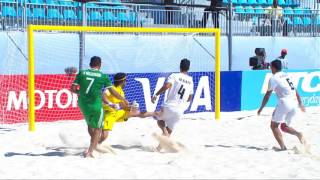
[91, 83]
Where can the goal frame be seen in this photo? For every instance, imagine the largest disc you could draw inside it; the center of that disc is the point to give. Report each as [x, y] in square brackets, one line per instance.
[31, 63]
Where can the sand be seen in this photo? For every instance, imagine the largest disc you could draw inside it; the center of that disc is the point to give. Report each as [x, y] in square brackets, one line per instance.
[238, 146]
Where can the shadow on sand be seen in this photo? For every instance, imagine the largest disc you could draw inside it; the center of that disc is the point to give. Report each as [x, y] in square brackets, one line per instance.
[54, 152]
[238, 146]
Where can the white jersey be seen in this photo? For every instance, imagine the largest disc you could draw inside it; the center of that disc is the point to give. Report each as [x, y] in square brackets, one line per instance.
[181, 89]
[282, 85]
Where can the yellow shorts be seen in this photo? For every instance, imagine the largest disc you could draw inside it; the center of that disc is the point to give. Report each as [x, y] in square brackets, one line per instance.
[110, 117]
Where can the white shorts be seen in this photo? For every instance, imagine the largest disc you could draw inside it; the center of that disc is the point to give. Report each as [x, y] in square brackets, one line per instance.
[285, 111]
[170, 116]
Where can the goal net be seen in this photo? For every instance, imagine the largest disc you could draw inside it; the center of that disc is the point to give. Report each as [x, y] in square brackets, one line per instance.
[37, 88]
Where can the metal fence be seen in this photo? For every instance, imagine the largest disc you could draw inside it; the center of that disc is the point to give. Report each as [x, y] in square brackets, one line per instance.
[253, 21]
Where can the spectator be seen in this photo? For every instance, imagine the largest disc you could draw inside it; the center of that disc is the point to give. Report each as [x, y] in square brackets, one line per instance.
[214, 9]
[275, 15]
[282, 58]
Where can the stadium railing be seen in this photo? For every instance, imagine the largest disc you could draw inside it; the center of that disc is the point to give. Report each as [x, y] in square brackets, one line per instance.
[246, 20]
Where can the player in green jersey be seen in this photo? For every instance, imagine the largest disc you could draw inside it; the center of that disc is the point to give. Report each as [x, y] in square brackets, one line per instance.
[89, 84]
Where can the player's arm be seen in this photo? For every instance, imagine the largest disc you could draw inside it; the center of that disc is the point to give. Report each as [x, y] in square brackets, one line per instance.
[190, 98]
[163, 89]
[265, 101]
[75, 84]
[303, 109]
[117, 95]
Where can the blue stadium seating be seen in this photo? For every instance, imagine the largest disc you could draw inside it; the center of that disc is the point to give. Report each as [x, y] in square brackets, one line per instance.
[318, 21]
[288, 20]
[69, 14]
[116, 2]
[8, 11]
[298, 11]
[108, 16]
[95, 16]
[39, 13]
[10, 1]
[239, 10]
[288, 11]
[28, 12]
[249, 10]
[91, 5]
[225, 1]
[307, 21]
[262, 2]
[133, 16]
[243, 2]
[54, 14]
[297, 21]
[66, 3]
[37, 1]
[252, 2]
[281, 2]
[269, 2]
[52, 2]
[307, 11]
[123, 17]
[259, 10]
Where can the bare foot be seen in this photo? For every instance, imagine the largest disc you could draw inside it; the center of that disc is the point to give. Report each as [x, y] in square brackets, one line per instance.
[302, 139]
[88, 154]
[279, 149]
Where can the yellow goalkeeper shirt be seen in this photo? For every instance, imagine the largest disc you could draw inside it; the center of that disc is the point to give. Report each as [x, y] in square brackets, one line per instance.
[111, 99]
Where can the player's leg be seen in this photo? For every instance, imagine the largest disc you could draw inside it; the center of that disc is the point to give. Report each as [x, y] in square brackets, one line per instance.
[96, 123]
[277, 134]
[285, 127]
[109, 120]
[278, 117]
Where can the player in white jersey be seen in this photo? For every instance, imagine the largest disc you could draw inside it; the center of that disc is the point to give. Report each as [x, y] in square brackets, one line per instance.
[180, 91]
[288, 102]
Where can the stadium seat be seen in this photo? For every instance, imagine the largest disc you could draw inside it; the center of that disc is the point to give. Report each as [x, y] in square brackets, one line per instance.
[36, 1]
[249, 10]
[239, 10]
[69, 14]
[259, 10]
[225, 1]
[307, 11]
[28, 12]
[23, 1]
[252, 2]
[298, 11]
[281, 2]
[288, 20]
[132, 16]
[91, 5]
[95, 16]
[269, 2]
[54, 14]
[242, 2]
[307, 21]
[39, 13]
[317, 22]
[288, 11]
[262, 2]
[10, 1]
[289, 2]
[8, 11]
[116, 2]
[108, 16]
[123, 17]
[66, 3]
[297, 21]
[52, 2]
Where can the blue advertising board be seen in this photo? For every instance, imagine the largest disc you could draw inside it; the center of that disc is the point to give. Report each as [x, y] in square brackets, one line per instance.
[255, 83]
[142, 86]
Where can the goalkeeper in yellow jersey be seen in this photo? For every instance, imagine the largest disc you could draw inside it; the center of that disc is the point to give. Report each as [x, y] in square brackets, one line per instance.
[116, 110]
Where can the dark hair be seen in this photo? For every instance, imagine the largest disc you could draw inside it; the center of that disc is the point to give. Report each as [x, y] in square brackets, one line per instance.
[184, 64]
[119, 78]
[95, 61]
[276, 64]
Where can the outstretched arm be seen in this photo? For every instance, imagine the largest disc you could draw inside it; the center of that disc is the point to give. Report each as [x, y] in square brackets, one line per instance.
[162, 90]
[265, 101]
[303, 109]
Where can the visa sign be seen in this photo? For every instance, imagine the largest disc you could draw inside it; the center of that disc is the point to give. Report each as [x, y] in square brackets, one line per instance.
[255, 84]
